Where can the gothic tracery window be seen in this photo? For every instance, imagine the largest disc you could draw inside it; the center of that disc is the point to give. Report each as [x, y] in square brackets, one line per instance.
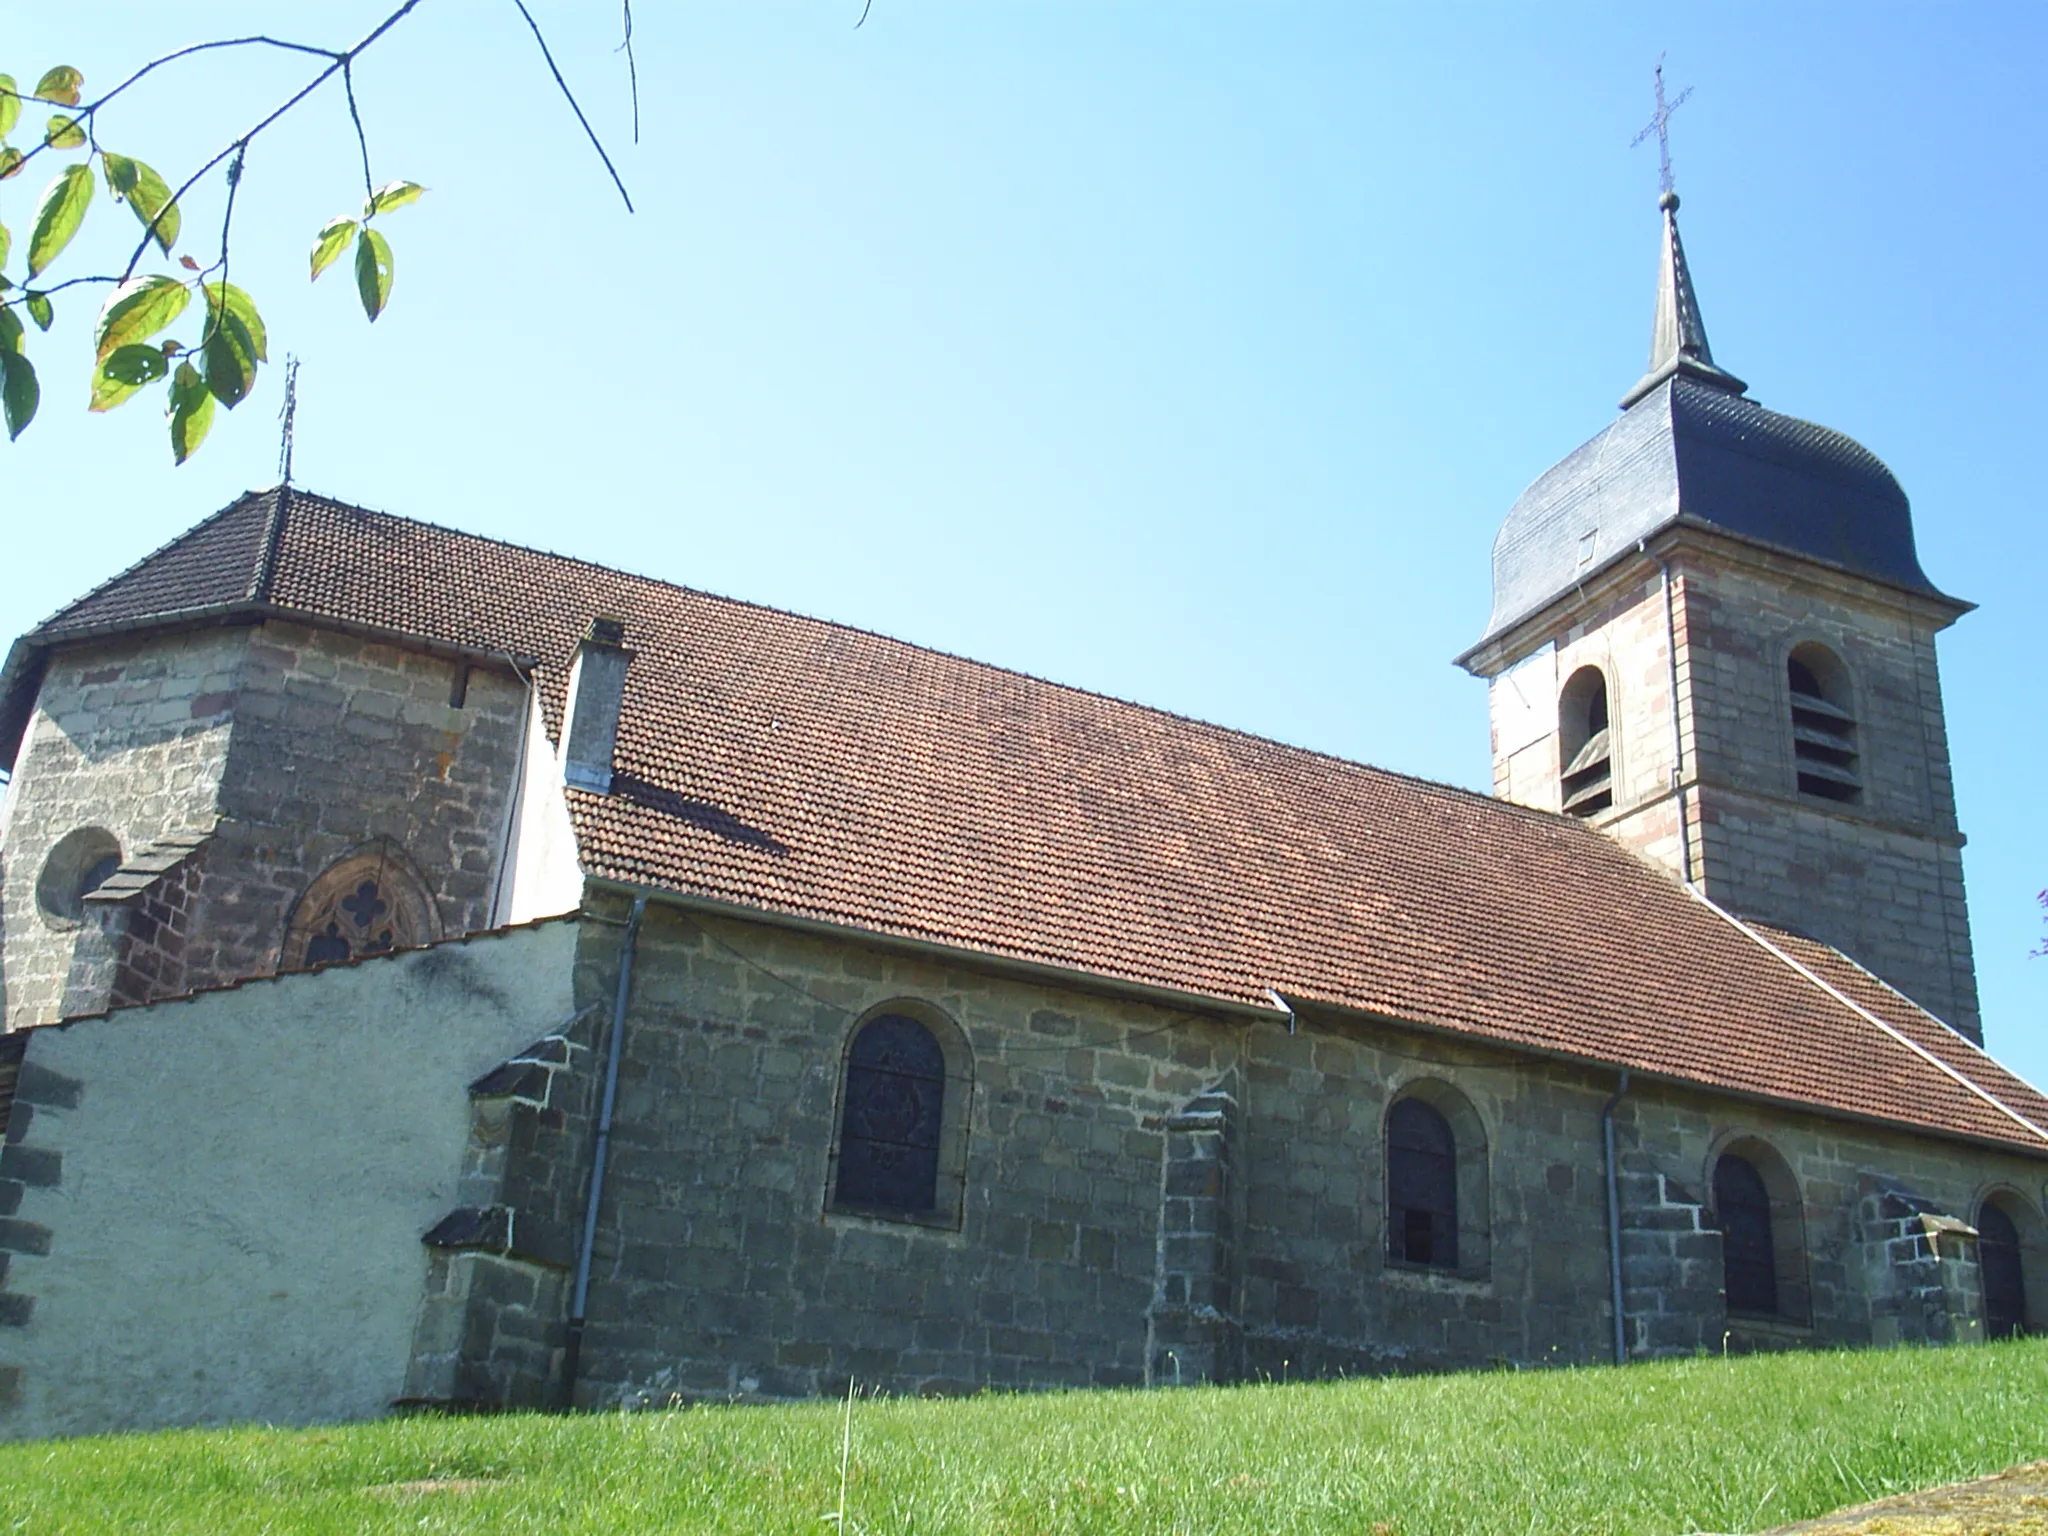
[892, 1117]
[366, 904]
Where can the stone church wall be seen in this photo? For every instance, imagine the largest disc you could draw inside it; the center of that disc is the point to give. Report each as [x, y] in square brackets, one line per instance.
[131, 737]
[283, 748]
[343, 744]
[211, 1209]
[1155, 1195]
[1880, 879]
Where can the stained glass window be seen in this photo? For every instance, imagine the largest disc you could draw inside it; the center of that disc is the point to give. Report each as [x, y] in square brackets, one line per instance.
[889, 1129]
[1422, 1186]
[1748, 1248]
[2005, 1282]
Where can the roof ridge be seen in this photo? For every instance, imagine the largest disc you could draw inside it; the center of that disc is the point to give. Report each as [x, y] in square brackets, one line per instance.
[301, 495]
[1864, 1013]
[162, 549]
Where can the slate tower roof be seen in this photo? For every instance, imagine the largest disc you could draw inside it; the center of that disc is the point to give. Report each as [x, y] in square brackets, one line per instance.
[1692, 448]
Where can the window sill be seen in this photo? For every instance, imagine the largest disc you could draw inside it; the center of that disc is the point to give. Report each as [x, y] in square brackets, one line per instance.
[1431, 1276]
[945, 1222]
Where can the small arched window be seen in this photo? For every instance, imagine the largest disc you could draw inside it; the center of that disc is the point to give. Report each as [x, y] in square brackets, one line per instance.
[1748, 1241]
[892, 1118]
[1422, 1186]
[1823, 725]
[1585, 744]
[2003, 1271]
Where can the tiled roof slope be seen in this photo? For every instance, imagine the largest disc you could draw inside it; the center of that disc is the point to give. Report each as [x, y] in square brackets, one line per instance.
[783, 763]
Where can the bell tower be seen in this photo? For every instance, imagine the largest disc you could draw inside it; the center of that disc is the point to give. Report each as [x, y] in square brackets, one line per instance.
[1711, 638]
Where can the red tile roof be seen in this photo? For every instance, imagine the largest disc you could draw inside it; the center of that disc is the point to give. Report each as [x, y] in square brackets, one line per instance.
[805, 768]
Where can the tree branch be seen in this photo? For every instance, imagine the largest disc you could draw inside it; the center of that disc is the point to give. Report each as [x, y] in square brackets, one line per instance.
[573, 106]
[632, 69]
[348, 81]
[90, 107]
[341, 61]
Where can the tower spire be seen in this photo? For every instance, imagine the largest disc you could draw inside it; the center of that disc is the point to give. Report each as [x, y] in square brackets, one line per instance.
[1678, 336]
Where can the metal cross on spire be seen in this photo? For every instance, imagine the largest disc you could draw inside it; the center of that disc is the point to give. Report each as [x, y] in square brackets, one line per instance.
[1660, 125]
[287, 415]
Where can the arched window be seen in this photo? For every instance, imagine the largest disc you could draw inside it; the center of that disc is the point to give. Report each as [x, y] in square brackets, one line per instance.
[1584, 744]
[368, 903]
[2004, 1273]
[892, 1117]
[1748, 1242]
[1422, 1186]
[1761, 1215]
[1823, 725]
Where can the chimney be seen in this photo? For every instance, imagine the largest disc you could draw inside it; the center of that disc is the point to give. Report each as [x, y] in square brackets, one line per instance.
[590, 715]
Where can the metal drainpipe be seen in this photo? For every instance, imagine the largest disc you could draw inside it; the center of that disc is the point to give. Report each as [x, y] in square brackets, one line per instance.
[1614, 1217]
[1677, 732]
[572, 1353]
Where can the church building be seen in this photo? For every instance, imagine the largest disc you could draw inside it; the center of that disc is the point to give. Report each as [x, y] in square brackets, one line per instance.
[441, 973]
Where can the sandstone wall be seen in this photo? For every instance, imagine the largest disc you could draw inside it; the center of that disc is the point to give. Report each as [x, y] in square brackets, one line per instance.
[129, 736]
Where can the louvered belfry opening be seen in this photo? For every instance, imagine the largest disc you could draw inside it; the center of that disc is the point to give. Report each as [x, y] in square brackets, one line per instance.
[1823, 727]
[1585, 746]
[2005, 1280]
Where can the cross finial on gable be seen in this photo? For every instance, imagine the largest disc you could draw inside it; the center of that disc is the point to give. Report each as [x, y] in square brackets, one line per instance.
[1660, 125]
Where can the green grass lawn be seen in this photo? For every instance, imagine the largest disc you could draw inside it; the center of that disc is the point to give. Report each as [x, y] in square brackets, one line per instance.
[1709, 1445]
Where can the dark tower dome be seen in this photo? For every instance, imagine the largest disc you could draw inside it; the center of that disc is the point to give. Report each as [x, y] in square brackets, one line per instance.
[1690, 448]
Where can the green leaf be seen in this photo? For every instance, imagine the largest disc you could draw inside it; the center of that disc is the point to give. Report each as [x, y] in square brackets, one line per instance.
[10, 330]
[6, 244]
[190, 412]
[373, 272]
[58, 215]
[65, 132]
[39, 309]
[330, 242]
[121, 375]
[138, 309]
[60, 85]
[19, 392]
[230, 359]
[239, 306]
[392, 195]
[10, 105]
[145, 192]
[10, 162]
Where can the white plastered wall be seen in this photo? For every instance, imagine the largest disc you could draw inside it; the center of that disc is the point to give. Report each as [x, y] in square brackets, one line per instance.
[234, 1233]
[543, 877]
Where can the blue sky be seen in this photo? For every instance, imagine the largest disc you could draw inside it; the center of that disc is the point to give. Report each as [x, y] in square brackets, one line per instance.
[1191, 352]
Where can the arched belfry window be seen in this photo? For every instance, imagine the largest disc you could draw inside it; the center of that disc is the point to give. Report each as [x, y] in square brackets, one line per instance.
[903, 1106]
[2003, 1270]
[367, 903]
[1763, 1243]
[1585, 750]
[1422, 1186]
[1823, 725]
